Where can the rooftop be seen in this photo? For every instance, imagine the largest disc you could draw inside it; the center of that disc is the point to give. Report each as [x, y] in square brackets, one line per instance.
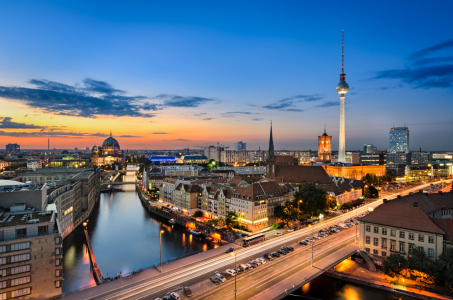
[22, 218]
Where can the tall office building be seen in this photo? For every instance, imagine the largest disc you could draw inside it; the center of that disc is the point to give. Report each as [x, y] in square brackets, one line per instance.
[369, 149]
[399, 139]
[240, 146]
[342, 89]
[15, 148]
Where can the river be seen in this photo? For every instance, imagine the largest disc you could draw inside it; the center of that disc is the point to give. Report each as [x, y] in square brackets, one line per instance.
[327, 288]
[124, 237]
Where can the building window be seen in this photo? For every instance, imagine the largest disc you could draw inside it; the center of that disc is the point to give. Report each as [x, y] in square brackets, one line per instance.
[21, 233]
[376, 229]
[20, 246]
[21, 269]
[384, 231]
[376, 241]
[430, 252]
[42, 230]
[368, 228]
[367, 250]
[2, 249]
[384, 243]
[367, 239]
[57, 251]
[411, 236]
[431, 239]
[409, 250]
[421, 238]
[19, 281]
[383, 253]
[392, 232]
[392, 245]
[20, 257]
[402, 235]
[57, 240]
[21, 292]
[402, 247]
[58, 272]
[57, 262]
[57, 283]
[421, 249]
[375, 252]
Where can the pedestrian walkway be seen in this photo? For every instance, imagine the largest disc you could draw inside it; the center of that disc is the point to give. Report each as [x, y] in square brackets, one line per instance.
[355, 272]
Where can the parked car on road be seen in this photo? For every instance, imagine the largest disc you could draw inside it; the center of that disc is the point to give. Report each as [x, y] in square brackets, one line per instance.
[229, 250]
[283, 252]
[268, 256]
[219, 276]
[175, 296]
[187, 292]
[275, 254]
[215, 280]
[278, 234]
[230, 272]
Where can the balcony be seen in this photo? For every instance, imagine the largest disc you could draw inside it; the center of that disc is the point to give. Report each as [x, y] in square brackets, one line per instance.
[384, 247]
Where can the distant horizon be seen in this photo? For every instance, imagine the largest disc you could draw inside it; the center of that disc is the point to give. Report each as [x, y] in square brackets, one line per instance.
[183, 74]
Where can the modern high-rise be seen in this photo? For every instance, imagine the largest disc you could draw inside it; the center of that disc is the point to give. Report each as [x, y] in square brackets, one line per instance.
[369, 149]
[399, 139]
[342, 89]
[13, 148]
[240, 146]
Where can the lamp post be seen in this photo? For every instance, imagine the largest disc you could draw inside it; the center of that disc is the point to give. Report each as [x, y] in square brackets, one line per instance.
[160, 260]
[235, 275]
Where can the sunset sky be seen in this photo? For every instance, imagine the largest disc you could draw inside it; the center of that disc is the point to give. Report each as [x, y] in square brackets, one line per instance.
[168, 75]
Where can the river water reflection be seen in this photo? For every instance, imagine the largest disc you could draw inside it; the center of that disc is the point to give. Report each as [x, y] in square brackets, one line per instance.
[124, 237]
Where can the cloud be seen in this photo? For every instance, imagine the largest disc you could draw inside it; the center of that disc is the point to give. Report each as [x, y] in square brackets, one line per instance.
[199, 115]
[329, 104]
[180, 101]
[207, 119]
[294, 109]
[257, 119]
[159, 133]
[285, 103]
[89, 99]
[237, 112]
[50, 133]
[177, 140]
[6, 123]
[129, 136]
[425, 72]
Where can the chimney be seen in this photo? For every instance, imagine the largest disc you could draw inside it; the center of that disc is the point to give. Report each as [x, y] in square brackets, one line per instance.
[385, 201]
[399, 196]
[415, 204]
[410, 193]
[440, 192]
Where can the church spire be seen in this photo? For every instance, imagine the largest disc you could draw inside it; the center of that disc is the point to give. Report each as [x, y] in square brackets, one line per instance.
[271, 156]
[110, 132]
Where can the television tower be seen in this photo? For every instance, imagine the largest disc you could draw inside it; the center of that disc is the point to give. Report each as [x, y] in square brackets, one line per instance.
[342, 89]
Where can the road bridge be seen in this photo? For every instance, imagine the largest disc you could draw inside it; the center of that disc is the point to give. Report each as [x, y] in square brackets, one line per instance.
[287, 270]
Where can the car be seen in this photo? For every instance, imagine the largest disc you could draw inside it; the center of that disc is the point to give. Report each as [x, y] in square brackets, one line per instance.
[229, 250]
[316, 236]
[303, 243]
[230, 272]
[239, 271]
[275, 254]
[167, 298]
[286, 249]
[261, 261]
[226, 275]
[291, 249]
[219, 276]
[291, 230]
[254, 264]
[175, 296]
[215, 280]
[244, 267]
[258, 262]
[158, 299]
[187, 291]
[296, 228]
[268, 256]
[278, 234]
[309, 239]
[283, 252]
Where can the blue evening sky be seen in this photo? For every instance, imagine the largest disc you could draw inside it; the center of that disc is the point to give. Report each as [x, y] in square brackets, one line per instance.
[235, 65]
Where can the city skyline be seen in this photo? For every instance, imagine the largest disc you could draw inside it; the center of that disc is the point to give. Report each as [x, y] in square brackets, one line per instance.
[164, 77]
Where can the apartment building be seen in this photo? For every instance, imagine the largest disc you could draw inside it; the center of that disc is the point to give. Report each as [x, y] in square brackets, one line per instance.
[51, 175]
[397, 227]
[186, 198]
[31, 262]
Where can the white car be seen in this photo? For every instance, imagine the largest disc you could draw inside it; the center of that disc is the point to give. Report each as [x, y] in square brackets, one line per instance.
[316, 236]
[219, 276]
[175, 296]
[309, 239]
[278, 234]
[230, 272]
[261, 260]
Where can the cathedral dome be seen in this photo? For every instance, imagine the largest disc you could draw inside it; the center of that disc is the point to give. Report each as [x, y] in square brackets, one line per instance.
[110, 142]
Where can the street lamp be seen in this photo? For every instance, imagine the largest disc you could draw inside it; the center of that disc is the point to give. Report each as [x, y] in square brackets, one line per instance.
[160, 260]
[235, 275]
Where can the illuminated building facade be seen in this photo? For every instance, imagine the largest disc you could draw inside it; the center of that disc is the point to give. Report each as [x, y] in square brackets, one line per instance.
[354, 172]
[399, 139]
[108, 154]
[325, 147]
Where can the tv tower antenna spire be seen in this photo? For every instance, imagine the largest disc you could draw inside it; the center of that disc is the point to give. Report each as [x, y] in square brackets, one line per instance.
[342, 51]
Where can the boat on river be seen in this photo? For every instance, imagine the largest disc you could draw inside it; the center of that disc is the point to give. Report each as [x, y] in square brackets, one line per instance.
[171, 221]
[195, 232]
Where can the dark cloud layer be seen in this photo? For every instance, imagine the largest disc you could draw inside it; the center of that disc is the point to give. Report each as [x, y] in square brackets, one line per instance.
[288, 104]
[329, 104]
[6, 123]
[159, 133]
[59, 133]
[425, 72]
[180, 101]
[90, 99]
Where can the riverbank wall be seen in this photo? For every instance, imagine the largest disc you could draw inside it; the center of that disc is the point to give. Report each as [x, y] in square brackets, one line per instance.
[415, 292]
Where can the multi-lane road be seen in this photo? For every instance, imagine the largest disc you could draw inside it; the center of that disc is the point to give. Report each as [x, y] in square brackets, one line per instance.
[196, 272]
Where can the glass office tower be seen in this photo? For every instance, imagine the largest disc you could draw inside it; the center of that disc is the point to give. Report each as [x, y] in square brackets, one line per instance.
[399, 139]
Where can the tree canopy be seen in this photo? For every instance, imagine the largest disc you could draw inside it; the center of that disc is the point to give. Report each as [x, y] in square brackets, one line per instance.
[314, 200]
[394, 265]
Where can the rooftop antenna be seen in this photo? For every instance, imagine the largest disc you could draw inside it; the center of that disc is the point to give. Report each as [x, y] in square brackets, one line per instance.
[324, 128]
[405, 124]
[342, 51]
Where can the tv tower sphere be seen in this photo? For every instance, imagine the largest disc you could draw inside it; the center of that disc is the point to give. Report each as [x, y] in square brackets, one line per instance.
[342, 87]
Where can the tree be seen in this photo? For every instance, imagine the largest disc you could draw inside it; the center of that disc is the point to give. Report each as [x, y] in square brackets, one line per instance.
[314, 200]
[231, 219]
[198, 214]
[418, 261]
[331, 202]
[394, 265]
[371, 192]
[370, 179]
[445, 267]
[286, 212]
